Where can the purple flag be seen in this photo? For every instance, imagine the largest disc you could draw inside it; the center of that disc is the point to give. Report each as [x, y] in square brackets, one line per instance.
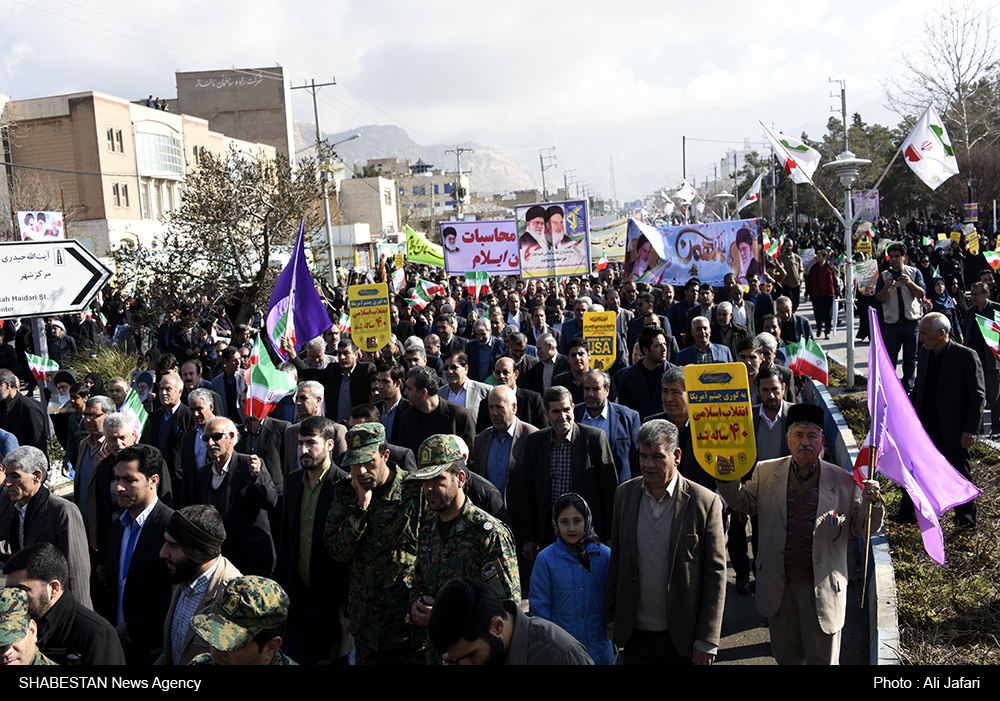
[295, 309]
[907, 456]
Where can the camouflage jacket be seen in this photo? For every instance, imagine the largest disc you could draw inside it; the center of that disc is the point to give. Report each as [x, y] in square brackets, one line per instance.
[40, 659]
[478, 545]
[380, 544]
[280, 658]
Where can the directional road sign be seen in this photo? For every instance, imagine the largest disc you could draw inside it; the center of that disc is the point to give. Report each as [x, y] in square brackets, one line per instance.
[47, 277]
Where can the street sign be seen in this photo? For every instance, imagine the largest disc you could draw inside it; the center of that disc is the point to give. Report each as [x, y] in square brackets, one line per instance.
[47, 278]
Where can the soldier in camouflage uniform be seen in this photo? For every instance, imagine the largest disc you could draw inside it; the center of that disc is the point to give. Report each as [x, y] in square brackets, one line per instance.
[18, 633]
[460, 540]
[244, 627]
[373, 525]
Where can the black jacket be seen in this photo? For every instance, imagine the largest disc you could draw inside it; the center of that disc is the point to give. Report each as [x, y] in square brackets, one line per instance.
[72, 630]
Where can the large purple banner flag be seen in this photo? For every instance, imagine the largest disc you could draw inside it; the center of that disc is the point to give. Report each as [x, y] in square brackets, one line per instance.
[907, 456]
[296, 309]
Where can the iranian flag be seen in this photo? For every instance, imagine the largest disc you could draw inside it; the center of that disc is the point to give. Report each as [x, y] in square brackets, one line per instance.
[39, 366]
[477, 282]
[993, 258]
[252, 359]
[344, 324]
[136, 412]
[431, 289]
[603, 262]
[798, 159]
[266, 387]
[791, 352]
[928, 150]
[772, 247]
[991, 333]
[753, 194]
[419, 300]
[811, 360]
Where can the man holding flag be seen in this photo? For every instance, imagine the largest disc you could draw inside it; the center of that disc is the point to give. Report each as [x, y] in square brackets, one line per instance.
[949, 400]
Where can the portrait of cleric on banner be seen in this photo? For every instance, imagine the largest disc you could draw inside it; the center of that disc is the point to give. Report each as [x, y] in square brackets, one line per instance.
[488, 246]
[554, 239]
[708, 251]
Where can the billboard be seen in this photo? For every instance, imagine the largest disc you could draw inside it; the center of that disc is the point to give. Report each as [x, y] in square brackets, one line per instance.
[490, 246]
[707, 251]
[553, 239]
[40, 226]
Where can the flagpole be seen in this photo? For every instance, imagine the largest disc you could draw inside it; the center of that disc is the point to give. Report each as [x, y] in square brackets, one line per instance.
[872, 454]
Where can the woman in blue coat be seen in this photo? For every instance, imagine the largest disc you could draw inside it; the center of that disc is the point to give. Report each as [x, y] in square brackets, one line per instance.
[567, 582]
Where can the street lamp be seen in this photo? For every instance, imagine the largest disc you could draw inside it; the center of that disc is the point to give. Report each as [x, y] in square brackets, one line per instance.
[847, 168]
[725, 197]
[325, 167]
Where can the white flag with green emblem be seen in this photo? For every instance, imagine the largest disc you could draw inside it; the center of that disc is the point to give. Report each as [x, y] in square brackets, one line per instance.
[134, 409]
[928, 150]
[798, 158]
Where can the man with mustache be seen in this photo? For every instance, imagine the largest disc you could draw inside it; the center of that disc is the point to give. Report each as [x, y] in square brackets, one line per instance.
[805, 508]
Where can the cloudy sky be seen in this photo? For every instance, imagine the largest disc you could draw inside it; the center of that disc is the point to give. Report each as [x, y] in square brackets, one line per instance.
[596, 80]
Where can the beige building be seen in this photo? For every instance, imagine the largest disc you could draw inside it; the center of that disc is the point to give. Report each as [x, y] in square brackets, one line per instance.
[120, 166]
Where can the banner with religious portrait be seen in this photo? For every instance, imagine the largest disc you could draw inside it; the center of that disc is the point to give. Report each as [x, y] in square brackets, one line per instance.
[554, 239]
[489, 246]
[707, 251]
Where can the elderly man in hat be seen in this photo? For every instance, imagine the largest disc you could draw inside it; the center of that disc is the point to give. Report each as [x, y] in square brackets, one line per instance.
[460, 540]
[373, 525]
[805, 507]
[244, 627]
[18, 632]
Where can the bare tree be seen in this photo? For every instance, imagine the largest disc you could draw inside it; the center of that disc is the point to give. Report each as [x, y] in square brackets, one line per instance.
[957, 69]
[236, 212]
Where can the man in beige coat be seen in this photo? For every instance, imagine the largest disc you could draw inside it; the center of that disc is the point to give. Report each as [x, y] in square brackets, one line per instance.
[192, 548]
[665, 610]
[807, 508]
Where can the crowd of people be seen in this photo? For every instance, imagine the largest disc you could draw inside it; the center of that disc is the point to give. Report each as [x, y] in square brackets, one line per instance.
[414, 504]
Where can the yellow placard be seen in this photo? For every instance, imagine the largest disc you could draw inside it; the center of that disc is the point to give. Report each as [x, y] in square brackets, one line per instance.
[601, 333]
[955, 235]
[941, 236]
[721, 420]
[398, 260]
[369, 309]
[865, 245]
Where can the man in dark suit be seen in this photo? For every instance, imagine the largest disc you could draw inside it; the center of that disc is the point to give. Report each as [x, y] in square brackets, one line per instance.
[949, 399]
[194, 452]
[702, 347]
[640, 383]
[139, 593]
[316, 583]
[266, 438]
[22, 416]
[392, 403]
[340, 398]
[763, 304]
[483, 351]
[529, 403]
[983, 306]
[644, 306]
[665, 609]
[550, 365]
[447, 328]
[241, 489]
[46, 517]
[231, 384]
[619, 423]
[539, 327]
[793, 326]
[429, 414]
[566, 457]
[166, 427]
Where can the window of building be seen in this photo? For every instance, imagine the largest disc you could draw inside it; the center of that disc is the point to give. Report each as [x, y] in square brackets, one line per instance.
[116, 195]
[124, 191]
[435, 189]
[388, 196]
[159, 153]
[144, 199]
[119, 141]
[111, 139]
[447, 188]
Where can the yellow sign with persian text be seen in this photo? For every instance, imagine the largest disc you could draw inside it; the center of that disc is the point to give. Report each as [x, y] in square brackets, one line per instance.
[601, 333]
[721, 419]
[369, 309]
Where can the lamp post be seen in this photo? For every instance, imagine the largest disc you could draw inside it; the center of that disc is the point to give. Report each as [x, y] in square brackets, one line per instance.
[725, 197]
[326, 168]
[847, 168]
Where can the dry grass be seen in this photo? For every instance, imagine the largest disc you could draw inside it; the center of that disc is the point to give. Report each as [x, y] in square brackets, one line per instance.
[951, 614]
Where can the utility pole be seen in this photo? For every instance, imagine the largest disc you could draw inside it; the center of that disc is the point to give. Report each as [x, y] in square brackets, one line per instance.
[542, 156]
[459, 190]
[314, 89]
[843, 107]
[614, 195]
